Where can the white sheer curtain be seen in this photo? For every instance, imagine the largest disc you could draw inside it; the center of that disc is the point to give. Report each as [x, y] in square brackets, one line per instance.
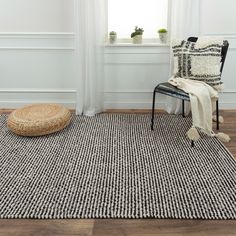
[90, 27]
[184, 22]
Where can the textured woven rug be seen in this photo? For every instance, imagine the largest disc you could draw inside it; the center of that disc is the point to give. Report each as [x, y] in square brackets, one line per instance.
[114, 166]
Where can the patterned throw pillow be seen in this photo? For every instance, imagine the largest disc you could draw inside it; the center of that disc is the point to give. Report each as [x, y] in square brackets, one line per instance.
[198, 61]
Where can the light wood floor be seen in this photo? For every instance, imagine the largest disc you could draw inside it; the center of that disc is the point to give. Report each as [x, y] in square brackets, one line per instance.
[129, 227]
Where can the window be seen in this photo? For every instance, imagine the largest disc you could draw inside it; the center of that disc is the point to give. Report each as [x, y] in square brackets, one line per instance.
[124, 15]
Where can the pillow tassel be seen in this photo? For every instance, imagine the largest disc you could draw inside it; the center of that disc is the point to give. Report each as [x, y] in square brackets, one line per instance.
[219, 88]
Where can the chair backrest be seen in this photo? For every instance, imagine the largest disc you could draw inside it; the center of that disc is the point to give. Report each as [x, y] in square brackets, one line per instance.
[223, 52]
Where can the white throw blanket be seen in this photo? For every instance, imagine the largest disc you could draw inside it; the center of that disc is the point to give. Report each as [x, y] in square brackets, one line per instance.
[202, 99]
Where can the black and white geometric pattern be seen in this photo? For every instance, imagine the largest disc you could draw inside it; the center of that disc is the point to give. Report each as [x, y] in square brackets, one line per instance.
[194, 63]
[114, 166]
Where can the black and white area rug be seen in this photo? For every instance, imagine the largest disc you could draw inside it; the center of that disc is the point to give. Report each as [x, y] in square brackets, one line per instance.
[114, 166]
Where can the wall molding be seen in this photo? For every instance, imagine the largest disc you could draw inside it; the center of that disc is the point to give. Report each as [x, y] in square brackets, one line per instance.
[136, 63]
[36, 48]
[65, 41]
[37, 91]
[142, 49]
[129, 91]
[37, 41]
[137, 52]
[229, 91]
[36, 35]
[137, 58]
[229, 36]
[146, 91]
[73, 91]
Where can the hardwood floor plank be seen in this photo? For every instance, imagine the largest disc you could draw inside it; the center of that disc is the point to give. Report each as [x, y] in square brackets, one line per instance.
[46, 227]
[164, 228]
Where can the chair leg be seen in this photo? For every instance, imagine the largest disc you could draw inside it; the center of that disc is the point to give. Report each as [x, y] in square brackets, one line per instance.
[217, 115]
[183, 108]
[153, 109]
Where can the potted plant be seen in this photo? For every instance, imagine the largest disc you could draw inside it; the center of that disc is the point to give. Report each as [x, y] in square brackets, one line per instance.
[112, 37]
[137, 35]
[163, 33]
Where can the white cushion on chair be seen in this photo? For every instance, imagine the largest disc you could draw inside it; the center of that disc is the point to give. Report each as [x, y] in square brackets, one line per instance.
[198, 61]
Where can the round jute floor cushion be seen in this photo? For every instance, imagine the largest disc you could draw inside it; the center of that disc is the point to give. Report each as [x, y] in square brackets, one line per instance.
[39, 119]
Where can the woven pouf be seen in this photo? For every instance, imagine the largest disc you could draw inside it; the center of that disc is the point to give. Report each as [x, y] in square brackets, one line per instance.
[39, 119]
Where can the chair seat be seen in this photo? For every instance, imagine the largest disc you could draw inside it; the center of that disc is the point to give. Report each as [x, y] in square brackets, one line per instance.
[168, 89]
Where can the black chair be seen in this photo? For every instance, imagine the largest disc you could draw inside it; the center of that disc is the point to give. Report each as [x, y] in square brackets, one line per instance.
[170, 90]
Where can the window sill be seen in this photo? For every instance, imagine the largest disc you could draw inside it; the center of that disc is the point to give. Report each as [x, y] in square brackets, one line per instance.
[137, 45]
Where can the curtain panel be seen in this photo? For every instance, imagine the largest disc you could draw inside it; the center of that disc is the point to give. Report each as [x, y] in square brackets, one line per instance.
[90, 30]
[184, 23]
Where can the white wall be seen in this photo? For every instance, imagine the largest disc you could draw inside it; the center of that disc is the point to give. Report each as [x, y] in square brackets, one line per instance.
[132, 72]
[218, 18]
[36, 68]
[36, 15]
[36, 52]
[36, 56]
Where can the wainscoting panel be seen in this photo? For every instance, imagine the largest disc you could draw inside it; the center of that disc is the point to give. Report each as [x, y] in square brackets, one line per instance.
[151, 48]
[132, 72]
[39, 68]
[137, 58]
[129, 77]
[18, 98]
[36, 68]
[132, 100]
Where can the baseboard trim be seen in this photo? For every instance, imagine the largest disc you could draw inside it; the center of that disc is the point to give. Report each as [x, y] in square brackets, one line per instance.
[74, 91]
[70, 103]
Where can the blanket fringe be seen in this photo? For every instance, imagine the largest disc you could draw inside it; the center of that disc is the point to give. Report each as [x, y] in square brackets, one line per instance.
[219, 87]
[221, 119]
[223, 137]
[193, 134]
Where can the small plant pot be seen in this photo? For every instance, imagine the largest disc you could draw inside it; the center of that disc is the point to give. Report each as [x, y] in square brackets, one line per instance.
[138, 39]
[163, 37]
[112, 38]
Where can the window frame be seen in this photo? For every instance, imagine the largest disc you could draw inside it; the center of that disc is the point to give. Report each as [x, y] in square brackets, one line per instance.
[146, 41]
